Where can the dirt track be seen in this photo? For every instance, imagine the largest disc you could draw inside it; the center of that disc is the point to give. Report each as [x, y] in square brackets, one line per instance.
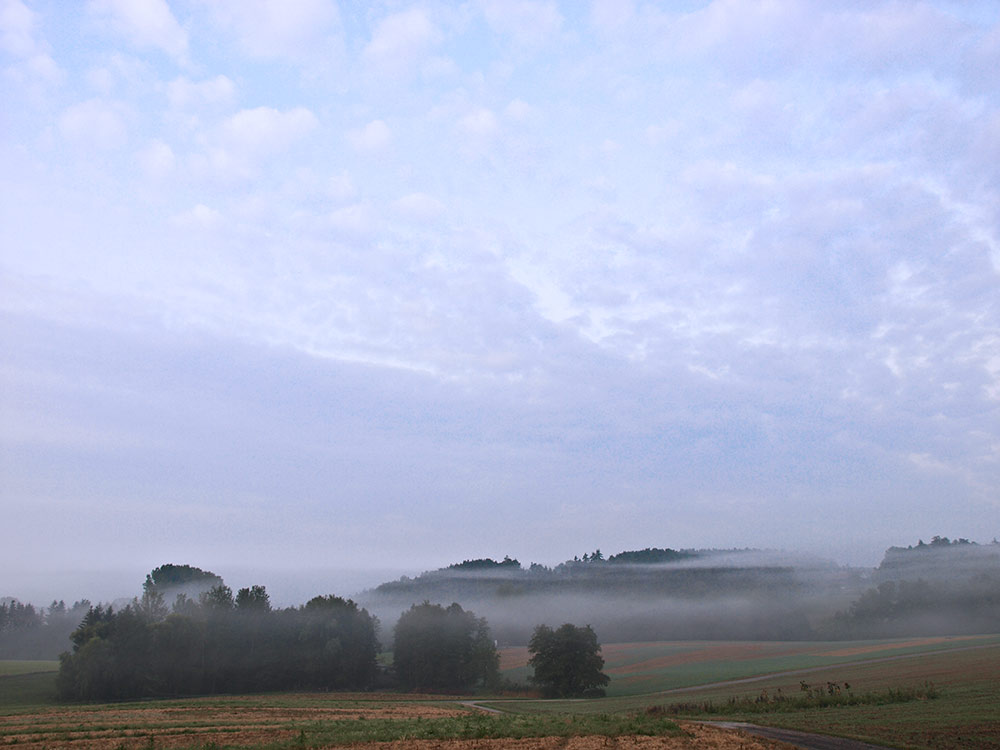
[802, 740]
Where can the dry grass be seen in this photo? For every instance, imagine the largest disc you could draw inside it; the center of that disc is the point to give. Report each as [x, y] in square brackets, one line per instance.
[695, 737]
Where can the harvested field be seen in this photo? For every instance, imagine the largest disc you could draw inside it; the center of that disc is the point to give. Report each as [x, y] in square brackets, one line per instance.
[696, 737]
[233, 722]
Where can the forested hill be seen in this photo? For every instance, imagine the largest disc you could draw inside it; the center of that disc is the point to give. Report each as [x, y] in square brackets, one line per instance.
[941, 559]
[943, 587]
[650, 594]
[691, 573]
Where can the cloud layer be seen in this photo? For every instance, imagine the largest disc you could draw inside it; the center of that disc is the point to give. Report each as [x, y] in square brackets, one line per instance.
[362, 285]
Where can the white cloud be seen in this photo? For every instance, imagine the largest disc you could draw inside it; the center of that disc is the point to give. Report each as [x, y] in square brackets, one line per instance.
[356, 220]
[17, 29]
[157, 159]
[419, 207]
[519, 110]
[237, 147]
[784, 226]
[340, 187]
[183, 93]
[374, 136]
[96, 123]
[481, 123]
[18, 38]
[146, 23]
[400, 40]
[201, 217]
[265, 130]
[610, 15]
[528, 23]
[279, 28]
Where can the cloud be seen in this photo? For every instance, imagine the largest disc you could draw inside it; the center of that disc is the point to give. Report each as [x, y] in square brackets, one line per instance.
[784, 280]
[375, 136]
[239, 145]
[280, 28]
[357, 220]
[400, 40]
[419, 207]
[17, 29]
[611, 15]
[480, 123]
[19, 39]
[528, 23]
[265, 130]
[146, 23]
[157, 159]
[201, 216]
[97, 123]
[519, 110]
[183, 93]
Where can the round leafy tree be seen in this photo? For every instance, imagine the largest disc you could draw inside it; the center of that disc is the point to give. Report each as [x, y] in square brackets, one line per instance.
[443, 648]
[567, 661]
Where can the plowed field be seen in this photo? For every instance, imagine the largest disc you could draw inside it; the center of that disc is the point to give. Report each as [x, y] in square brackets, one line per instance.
[198, 723]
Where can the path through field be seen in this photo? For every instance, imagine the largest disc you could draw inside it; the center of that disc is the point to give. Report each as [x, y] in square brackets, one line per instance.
[803, 740]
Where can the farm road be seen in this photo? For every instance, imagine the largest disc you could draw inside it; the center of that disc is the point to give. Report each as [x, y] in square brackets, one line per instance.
[803, 740]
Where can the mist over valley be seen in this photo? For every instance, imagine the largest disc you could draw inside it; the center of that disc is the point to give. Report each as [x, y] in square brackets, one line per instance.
[942, 587]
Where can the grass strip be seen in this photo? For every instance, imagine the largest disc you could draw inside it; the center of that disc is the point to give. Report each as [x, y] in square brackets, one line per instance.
[809, 697]
[482, 726]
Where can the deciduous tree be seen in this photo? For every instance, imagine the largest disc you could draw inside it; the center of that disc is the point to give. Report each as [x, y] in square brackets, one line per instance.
[567, 661]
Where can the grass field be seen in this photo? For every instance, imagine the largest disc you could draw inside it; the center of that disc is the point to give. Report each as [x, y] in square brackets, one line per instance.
[8, 668]
[640, 668]
[965, 714]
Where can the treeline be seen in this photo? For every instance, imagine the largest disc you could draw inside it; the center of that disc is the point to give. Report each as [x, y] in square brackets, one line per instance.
[218, 644]
[211, 641]
[27, 632]
[638, 571]
[944, 587]
[637, 595]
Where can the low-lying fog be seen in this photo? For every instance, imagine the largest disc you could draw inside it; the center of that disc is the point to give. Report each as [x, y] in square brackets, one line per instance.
[939, 588]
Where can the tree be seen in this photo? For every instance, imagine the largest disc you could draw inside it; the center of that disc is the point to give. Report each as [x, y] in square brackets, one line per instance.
[567, 661]
[438, 648]
[219, 644]
[170, 576]
[254, 599]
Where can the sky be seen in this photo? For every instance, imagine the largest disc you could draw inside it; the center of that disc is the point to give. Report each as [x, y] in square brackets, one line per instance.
[348, 287]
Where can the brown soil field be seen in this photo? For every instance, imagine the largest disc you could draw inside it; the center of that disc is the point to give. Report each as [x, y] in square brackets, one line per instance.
[699, 738]
[514, 657]
[133, 726]
[140, 728]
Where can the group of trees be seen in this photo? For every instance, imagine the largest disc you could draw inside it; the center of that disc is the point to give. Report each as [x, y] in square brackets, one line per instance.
[218, 643]
[27, 632]
[945, 587]
[444, 648]
[212, 641]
